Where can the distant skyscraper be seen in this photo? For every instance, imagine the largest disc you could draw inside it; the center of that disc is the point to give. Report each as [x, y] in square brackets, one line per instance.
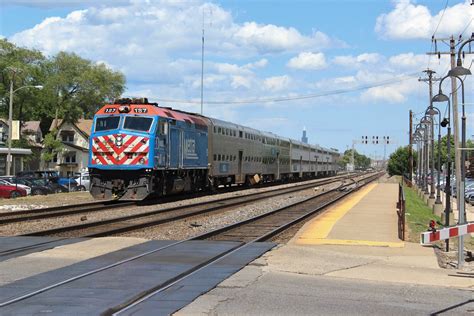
[304, 139]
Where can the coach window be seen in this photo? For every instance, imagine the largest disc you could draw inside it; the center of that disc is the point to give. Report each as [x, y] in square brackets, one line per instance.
[106, 123]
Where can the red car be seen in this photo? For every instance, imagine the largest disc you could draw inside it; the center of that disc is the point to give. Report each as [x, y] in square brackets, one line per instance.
[11, 191]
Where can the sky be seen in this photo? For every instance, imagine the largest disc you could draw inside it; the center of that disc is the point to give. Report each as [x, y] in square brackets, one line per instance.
[341, 69]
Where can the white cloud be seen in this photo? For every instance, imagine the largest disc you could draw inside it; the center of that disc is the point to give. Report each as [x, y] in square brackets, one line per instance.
[258, 64]
[269, 38]
[308, 61]
[397, 92]
[345, 80]
[409, 60]
[277, 83]
[163, 27]
[241, 81]
[410, 21]
[357, 61]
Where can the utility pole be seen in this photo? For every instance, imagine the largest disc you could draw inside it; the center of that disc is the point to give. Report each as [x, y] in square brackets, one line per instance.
[202, 66]
[410, 148]
[452, 53]
[458, 156]
[430, 81]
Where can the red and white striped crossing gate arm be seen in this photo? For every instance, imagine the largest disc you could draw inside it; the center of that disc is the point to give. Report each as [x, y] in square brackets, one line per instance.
[446, 233]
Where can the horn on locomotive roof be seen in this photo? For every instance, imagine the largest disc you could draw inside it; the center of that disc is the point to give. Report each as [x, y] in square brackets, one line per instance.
[134, 101]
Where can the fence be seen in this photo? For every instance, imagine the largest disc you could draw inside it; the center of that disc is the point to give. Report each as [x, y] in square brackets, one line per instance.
[401, 212]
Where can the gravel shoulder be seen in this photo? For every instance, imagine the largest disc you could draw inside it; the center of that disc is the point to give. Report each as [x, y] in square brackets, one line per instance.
[252, 210]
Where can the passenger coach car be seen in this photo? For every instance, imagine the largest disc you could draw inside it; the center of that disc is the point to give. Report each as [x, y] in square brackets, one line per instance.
[139, 149]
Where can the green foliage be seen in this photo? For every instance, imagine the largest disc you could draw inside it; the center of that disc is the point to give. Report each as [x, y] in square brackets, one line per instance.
[399, 162]
[360, 161]
[52, 146]
[73, 87]
[418, 215]
[444, 150]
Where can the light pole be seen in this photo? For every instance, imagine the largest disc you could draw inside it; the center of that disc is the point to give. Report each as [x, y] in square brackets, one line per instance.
[421, 131]
[10, 120]
[432, 111]
[458, 71]
[428, 121]
[440, 97]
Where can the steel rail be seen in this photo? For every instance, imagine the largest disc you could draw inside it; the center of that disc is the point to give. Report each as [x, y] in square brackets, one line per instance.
[145, 295]
[109, 266]
[75, 209]
[202, 207]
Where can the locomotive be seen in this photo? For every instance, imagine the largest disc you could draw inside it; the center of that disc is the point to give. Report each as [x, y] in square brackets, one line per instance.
[139, 149]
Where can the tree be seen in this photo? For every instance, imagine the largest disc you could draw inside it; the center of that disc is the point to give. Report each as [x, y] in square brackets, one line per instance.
[360, 161]
[24, 67]
[399, 163]
[77, 88]
[51, 147]
[73, 87]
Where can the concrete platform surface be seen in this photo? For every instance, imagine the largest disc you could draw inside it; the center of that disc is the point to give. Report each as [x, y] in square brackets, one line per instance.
[346, 261]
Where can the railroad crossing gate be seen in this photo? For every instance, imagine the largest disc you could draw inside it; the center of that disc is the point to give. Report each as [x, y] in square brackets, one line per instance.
[446, 233]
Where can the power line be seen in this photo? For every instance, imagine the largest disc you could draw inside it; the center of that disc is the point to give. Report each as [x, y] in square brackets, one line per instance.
[436, 30]
[301, 97]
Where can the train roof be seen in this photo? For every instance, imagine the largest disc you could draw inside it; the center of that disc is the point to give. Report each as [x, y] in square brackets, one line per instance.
[141, 106]
[151, 109]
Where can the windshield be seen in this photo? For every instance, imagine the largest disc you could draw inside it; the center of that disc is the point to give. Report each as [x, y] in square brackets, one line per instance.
[106, 123]
[138, 123]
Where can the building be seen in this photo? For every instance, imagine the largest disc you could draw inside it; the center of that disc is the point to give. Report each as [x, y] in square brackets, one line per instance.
[19, 155]
[304, 139]
[75, 153]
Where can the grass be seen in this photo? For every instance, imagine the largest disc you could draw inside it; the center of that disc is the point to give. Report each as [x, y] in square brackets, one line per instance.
[417, 215]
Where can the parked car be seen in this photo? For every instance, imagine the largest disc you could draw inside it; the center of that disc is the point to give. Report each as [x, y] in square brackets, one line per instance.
[49, 174]
[25, 187]
[83, 181]
[36, 188]
[11, 191]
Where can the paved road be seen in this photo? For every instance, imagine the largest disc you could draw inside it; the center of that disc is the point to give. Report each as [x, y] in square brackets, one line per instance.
[283, 293]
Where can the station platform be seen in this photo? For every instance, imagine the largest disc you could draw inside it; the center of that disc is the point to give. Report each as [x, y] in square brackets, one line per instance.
[347, 260]
[369, 217]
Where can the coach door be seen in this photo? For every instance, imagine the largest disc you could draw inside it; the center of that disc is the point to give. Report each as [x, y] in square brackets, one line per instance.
[175, 147]
[239, 167]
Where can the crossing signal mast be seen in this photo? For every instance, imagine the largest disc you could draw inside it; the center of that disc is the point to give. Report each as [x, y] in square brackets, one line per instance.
[376, 140]
[365, 140]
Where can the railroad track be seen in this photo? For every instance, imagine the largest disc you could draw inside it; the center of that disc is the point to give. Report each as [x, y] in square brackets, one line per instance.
[75, 209]
[121, 224]
[267, 225]
[263, 231]
[136, 300]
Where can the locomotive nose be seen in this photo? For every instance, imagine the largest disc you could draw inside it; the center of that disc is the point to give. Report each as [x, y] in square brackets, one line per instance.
[121, 149]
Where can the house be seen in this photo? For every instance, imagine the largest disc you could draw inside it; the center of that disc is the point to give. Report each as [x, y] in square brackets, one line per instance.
[75, 153]
[19, 155]
[31, 132]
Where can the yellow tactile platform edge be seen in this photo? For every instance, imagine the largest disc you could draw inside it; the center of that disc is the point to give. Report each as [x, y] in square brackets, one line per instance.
[318, 230]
